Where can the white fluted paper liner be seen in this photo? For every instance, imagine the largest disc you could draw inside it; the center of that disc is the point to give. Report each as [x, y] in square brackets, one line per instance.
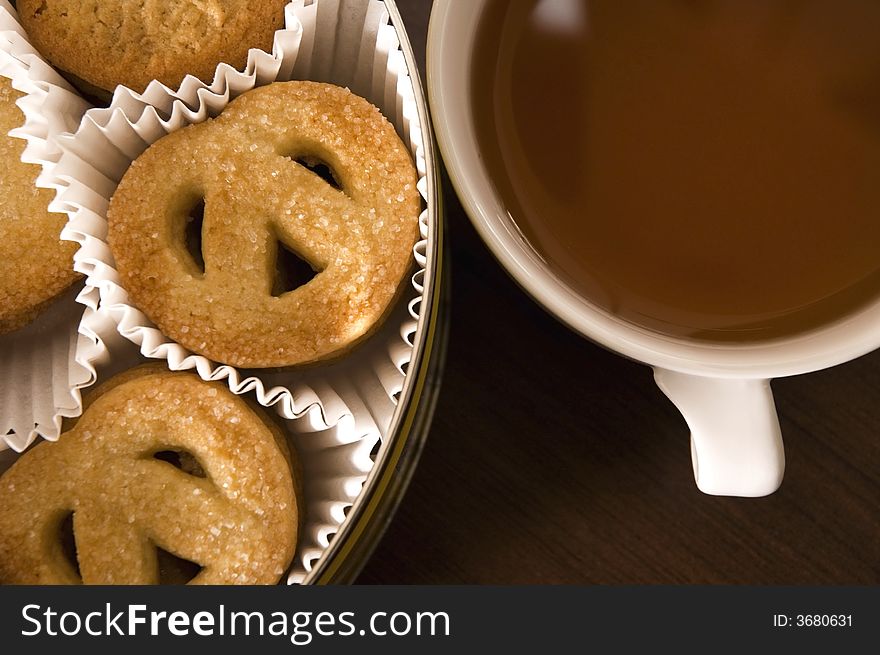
[44, 365]
[338, 413]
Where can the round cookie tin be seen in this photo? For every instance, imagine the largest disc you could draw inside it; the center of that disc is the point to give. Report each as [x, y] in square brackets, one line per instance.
[359, 423]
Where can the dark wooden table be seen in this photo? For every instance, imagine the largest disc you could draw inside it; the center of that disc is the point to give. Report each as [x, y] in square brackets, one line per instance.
[553, 461]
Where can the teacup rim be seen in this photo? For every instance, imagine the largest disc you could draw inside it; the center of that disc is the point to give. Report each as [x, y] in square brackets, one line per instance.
[833, 343]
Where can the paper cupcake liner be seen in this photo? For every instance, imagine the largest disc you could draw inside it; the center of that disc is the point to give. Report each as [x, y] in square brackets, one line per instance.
[334, 462]
[44, 365]
[337, 414]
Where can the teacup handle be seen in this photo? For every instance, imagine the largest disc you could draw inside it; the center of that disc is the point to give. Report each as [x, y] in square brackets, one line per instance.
[736, 444]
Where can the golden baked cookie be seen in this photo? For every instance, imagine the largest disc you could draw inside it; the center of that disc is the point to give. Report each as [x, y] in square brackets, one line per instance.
[111, 42]
[245, 176]
[35, 265]
[230, 508]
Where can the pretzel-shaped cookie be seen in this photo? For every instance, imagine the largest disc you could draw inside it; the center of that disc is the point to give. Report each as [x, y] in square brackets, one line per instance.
[244, 166]
[104, 43]
[35, 265]
[239, 522]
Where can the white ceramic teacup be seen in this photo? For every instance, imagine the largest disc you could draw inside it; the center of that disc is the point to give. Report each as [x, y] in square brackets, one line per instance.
[723, 391]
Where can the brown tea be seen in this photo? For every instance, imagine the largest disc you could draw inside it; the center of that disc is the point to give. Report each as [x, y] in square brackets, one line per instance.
[702, 168]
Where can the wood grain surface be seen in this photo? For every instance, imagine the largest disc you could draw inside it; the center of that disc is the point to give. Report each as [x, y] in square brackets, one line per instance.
[551, 460]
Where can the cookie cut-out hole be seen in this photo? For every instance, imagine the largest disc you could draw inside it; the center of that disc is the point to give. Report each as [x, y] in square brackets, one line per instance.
[291, 271]
[319, 168]
[183, 460]
[193, 234]
[68, 542]
[175, 570]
